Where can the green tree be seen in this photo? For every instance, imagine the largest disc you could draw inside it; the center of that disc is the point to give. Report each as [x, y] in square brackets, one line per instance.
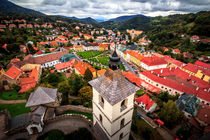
[170, 114]
[88, 75]
[76, 82]
[86, 93]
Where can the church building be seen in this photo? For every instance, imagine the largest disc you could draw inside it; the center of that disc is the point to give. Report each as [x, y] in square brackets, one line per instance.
[113, 103]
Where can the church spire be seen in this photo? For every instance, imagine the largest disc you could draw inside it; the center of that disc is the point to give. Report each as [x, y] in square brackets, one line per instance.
[114, 61]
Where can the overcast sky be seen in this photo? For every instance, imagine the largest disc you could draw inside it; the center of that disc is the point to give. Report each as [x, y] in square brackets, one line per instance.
[113, 8]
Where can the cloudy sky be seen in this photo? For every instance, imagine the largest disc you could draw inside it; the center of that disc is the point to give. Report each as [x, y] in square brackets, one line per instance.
[106, 9]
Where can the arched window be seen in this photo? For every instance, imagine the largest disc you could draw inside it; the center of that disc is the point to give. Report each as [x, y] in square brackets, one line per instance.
[121, 136]
[122, 123]
[123, 105]
[101, 101]
[100, 118]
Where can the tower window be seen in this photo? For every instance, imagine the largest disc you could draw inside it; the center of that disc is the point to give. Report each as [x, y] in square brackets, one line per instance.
[123, 105]
[121, 136]
[122, 123]
[100, 118]
[101, 101]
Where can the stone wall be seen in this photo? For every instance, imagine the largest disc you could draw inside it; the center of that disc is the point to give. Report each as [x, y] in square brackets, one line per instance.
[62, 109]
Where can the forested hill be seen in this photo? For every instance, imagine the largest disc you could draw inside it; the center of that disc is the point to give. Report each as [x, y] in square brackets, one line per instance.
[9, 7]
[191, 24]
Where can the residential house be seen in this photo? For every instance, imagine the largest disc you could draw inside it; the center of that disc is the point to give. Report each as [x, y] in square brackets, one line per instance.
[87, 36]
[133, 57]
[187, 55]
[37, 26]
[87, 46]
[12, 26]
[23, 48]
[29, 26]
[78, 48]
[195, 38]
[3, 26]
[81, 67]
[146, 103]
[11, 76]
[173, 62]
[176, 51]
[22, 25]
[76, 38]
[103, 47]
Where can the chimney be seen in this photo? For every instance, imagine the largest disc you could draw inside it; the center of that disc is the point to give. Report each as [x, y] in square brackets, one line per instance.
[170, 68]
[182, 83]
[151, 71]
[158, 75]
[161, 71]
[208, 89]
[175, 67]
[197, 88]
[189, 75]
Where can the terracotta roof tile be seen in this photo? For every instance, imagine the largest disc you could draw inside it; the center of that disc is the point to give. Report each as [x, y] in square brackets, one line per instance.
[13, 72]
[145, 99]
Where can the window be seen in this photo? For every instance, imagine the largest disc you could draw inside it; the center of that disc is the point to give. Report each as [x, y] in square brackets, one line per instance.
[101, 101]
[157, 85]
[122, 123]
[162, 87]
[123, 105]
[100, 118]
[121, 136]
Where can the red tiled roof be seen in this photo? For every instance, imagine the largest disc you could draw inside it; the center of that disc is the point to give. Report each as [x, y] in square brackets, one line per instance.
[145, 99]
[63, 65]
[87, 35]
[34, 74]
[13, 72]
[202, 64]
[134, 54]
[133, 78]
[26, 84]
[14, 60]
[173, 61]
[180, 81]
[152, 61]
[204, 113]
[103, 45]
[194, 69]
[101, 72]
[39, 52]
[4, 46]
[81, 67]
[176, 50]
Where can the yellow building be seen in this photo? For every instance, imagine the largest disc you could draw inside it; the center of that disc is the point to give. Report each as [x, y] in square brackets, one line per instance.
[197, 72]
[78, 48]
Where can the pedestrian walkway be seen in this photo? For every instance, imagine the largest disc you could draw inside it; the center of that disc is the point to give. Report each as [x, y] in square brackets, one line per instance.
[12, 101]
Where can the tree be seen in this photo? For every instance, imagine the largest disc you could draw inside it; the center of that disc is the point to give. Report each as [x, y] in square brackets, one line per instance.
[46, 85]
[75, 82]
[86, 93]
[170, 114]
[88, 75]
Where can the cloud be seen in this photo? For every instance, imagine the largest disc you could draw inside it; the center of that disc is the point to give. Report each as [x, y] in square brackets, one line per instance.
[114, 8]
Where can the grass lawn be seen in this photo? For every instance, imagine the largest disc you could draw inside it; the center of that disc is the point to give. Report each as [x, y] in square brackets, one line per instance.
[90, 116]
[90, 54]
[12, 95]
[140, 93]
[15, 109]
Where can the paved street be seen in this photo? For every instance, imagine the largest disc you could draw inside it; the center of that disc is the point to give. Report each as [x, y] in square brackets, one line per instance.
[161, 131]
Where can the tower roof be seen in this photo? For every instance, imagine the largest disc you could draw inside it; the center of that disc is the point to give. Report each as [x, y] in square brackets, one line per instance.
[114, 61]
[113, 86]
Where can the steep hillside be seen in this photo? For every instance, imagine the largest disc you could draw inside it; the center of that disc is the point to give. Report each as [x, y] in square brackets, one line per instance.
[9, 7]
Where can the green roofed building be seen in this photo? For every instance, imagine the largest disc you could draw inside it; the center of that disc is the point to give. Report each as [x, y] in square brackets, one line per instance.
[67, 57]
[188, 103]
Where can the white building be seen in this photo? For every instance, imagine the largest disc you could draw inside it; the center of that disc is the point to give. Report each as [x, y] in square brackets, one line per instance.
[146, 103]
[152, 63]
[112, 107]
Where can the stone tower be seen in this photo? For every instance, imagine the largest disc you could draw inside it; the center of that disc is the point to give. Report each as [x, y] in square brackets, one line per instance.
[113, 103]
